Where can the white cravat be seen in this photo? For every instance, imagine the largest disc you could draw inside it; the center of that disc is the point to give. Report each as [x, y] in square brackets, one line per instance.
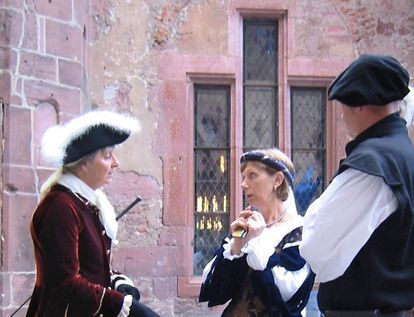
[97, 198]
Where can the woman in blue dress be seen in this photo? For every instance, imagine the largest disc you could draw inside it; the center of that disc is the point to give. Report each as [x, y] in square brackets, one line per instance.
[259, 269]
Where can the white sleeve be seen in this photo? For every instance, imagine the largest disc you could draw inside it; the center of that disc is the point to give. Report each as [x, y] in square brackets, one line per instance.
[342, 219]
[288, 282]
[259, 250]
[207, 269]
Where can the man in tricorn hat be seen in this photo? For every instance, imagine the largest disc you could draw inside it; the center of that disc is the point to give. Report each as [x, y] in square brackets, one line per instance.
[358, 236]
[74, 223]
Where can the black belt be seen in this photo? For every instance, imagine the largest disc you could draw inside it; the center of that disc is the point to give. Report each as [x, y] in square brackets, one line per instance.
[366, 313]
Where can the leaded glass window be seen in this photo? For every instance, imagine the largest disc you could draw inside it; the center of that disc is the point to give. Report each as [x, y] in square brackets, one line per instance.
[308, 106]
[260, 115]
[211, 161]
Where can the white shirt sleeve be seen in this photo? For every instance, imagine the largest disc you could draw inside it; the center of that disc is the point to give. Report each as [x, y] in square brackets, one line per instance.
[339, 223]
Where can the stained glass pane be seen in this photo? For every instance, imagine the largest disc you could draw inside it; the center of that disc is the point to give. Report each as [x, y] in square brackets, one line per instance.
[211, 161]
[260, 115]
[308, 144]
[308, 110]
[260, 51]
[309, 177]
[211, 115]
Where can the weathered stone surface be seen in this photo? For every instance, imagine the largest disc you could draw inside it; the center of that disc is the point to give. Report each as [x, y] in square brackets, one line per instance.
[380, 27]
[22, 286]
[18, 134]
[5, 87]
[149, 261]
[142, 57]
[11, 27]
[64, 40]
[66, 100]
[205, 29]
[165, 288]
[319, 31]
[57, 9]
[5, 289]
[173, 236]
[19, 179]
[18, 251]
[7, 59]
[71, 73]
[30, 29]
[38, 66]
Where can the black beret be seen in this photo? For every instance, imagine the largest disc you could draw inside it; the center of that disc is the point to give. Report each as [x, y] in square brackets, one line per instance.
[370, 80]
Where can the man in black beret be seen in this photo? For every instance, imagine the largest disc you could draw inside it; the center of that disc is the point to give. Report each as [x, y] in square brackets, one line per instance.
[358, 236]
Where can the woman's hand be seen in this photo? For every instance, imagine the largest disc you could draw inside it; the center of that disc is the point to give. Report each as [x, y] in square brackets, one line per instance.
[252, 222]
[237, 225]
[255, 223]
[240, 224]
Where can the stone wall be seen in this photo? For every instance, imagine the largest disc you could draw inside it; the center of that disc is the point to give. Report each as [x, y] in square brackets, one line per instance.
[61, 57]
[43, 80]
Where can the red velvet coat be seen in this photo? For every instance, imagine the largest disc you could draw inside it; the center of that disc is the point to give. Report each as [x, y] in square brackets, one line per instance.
[72, 255]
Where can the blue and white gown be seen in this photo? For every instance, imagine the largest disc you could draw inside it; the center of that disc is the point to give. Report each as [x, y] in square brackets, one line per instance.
[268, 277]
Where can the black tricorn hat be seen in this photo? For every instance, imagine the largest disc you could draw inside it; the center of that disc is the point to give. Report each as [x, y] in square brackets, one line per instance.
[370, 80]
[83, 135]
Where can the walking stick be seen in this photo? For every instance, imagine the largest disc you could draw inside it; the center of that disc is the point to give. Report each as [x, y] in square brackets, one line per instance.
[123, 212]
[21, 306]
[118, 216]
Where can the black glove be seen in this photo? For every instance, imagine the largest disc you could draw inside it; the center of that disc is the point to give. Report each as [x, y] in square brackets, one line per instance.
[124, 285]
[140, 310]
[129, 290]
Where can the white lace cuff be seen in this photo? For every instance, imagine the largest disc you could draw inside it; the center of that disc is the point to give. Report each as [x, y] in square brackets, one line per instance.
[125, 306]
[227, 251]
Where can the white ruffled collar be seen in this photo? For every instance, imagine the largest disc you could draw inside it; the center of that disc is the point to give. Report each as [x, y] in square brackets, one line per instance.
[97, 198]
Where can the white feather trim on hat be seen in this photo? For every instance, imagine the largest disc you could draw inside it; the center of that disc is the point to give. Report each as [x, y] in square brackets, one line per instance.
[57, 138]
[407, 107]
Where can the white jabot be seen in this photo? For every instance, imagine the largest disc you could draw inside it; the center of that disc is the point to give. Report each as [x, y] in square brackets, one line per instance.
[339, 223]
[97, 198]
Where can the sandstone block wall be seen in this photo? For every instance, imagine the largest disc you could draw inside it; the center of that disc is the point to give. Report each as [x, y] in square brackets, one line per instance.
[59, 58]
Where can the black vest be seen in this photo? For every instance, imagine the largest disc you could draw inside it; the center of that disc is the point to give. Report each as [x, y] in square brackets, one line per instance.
[381, 276]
